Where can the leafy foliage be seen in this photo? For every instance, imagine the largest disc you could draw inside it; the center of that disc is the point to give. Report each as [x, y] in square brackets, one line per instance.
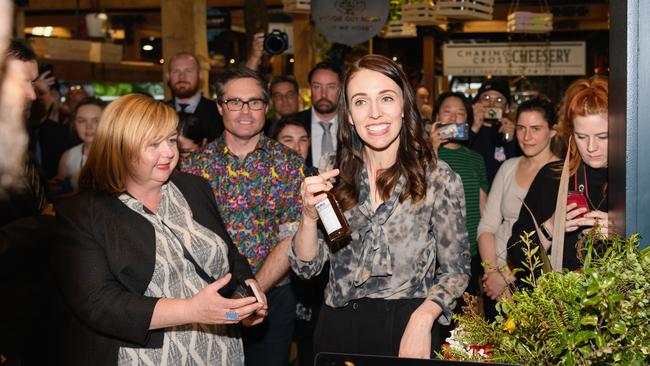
[598, 316]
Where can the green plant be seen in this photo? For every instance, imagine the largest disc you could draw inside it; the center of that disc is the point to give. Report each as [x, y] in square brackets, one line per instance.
[597, 316]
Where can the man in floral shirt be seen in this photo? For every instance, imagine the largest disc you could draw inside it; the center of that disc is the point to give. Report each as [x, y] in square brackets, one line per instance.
[256, 182]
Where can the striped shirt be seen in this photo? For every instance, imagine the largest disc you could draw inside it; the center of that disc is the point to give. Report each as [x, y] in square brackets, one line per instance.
[471, 168]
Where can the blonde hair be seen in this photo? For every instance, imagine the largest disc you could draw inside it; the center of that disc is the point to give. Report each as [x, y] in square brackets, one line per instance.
[584, 97]
[127, 126]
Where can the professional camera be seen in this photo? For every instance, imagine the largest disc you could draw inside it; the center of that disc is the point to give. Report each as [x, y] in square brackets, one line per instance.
[276, 42]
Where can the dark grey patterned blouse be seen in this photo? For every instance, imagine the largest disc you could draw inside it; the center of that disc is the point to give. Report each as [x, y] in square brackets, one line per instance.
[402, 250]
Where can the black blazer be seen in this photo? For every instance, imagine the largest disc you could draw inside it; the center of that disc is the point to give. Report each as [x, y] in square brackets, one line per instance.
[103, 262]
[211, 121]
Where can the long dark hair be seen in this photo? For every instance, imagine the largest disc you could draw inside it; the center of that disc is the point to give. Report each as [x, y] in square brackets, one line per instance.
[414, 153]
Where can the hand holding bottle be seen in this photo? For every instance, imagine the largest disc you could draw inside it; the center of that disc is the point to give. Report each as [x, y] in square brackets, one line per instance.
[313, 192]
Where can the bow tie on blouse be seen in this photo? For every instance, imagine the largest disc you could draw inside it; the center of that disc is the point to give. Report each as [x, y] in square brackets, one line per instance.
[376, 259]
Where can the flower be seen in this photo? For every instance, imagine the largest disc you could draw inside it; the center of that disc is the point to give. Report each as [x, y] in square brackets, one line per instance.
[509, 326]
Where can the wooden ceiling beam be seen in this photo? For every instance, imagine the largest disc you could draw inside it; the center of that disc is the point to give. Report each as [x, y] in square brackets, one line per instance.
[45, 5]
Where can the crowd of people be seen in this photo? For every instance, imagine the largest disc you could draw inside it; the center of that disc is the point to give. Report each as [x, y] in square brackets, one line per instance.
[188, 231]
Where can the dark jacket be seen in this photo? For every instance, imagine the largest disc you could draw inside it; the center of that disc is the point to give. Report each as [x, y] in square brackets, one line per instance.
[484, 143]
[103, 262]
[211, 121]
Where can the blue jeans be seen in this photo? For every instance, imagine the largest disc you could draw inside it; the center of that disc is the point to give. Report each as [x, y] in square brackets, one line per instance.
[268, 344]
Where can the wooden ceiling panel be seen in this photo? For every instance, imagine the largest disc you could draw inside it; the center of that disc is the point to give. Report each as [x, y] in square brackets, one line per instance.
[45, 5]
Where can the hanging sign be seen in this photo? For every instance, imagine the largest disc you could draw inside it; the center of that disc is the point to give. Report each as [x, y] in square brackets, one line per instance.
[349, 21]
[514, 59]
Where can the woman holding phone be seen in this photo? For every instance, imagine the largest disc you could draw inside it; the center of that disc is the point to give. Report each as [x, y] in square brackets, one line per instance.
[583, 124]
[453, 115]
[407, 260]
[143, 257]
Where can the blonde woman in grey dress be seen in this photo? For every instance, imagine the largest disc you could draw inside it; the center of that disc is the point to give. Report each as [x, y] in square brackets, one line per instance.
[145, 266]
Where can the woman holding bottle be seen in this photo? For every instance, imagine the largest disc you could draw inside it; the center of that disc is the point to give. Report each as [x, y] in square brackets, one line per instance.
[406, 260]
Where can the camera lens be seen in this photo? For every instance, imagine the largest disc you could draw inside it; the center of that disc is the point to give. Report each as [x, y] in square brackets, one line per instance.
[276, 42]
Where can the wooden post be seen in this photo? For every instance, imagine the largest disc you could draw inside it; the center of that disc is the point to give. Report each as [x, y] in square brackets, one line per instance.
[19, 23]
[303, 49]
[277, 65]
[429, 65]
[184, 30]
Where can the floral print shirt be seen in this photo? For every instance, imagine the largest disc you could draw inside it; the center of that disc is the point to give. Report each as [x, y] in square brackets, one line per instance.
[258, 196]
[400, 250]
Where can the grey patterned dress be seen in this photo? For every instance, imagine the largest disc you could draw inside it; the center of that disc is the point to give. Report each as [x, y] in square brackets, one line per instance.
[175, 277]
[401, 250]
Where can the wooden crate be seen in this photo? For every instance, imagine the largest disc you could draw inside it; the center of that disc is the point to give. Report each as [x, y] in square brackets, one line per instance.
[465, 9]
[422, 14]
[529, 22]
[398, 29]
[61, 49]
[296, 6]
[108, 53]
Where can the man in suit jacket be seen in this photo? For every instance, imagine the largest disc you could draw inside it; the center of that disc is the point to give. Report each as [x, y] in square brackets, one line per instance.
[185, 79]
[321, 119]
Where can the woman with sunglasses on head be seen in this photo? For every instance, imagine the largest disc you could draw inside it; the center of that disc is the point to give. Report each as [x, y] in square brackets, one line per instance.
[407, 258]
[583, 124]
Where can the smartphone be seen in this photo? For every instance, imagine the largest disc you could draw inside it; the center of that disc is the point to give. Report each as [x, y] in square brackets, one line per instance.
[243, 290]
[454, 131]
[578, 198]
[492, 115]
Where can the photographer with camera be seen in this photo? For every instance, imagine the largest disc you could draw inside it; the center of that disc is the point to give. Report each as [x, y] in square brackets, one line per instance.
[492, 132]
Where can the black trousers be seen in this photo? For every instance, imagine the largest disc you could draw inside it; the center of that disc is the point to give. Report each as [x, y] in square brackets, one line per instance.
[367, 326]
[268, 344]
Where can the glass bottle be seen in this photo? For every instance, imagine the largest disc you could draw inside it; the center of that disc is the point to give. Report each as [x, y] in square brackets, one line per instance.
[330, 214]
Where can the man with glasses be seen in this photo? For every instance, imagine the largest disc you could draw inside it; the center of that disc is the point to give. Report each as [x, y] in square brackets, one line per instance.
[321, 121]
[256, 182]
[285, 97]
[492, 132]
[184, 78]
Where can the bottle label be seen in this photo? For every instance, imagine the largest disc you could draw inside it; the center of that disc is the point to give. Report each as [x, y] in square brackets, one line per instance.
[328, 216]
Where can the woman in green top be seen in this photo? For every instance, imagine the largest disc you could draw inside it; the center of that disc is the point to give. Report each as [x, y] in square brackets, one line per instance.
[453, 115]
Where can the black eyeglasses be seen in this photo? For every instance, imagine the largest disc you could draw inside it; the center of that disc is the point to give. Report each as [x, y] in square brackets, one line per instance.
[234, 105]
[488, 98]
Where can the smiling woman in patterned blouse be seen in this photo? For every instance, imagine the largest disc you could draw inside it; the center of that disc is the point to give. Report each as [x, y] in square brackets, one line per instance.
[408, 257]
[143, 256]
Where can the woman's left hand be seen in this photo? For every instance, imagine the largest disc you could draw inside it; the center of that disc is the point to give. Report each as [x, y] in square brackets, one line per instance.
[258, 316]
[593, 218]
[416, 340]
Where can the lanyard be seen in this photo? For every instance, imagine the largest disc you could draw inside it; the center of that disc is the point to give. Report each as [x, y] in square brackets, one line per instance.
[581, 187]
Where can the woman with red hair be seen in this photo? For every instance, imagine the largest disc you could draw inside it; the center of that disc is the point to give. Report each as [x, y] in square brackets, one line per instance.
[583, 124]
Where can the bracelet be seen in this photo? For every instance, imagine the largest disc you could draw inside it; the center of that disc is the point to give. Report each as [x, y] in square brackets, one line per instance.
[547, 234]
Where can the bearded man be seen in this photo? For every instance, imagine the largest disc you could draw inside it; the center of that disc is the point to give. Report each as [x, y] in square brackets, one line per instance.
[185, 80]
[320, 120]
